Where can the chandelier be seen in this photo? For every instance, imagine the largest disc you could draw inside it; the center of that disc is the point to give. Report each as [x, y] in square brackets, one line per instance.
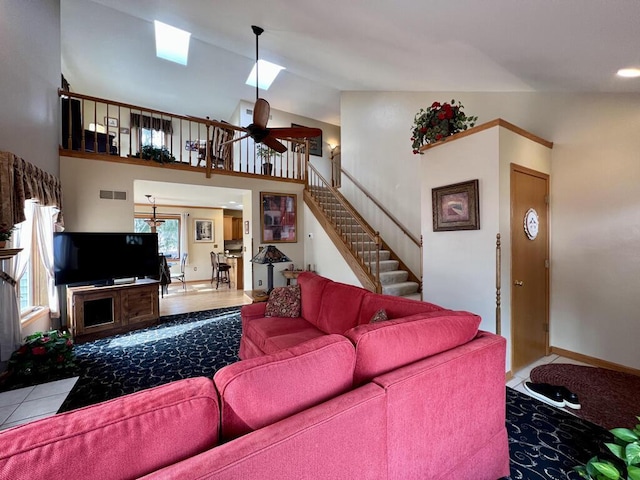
[153, 222]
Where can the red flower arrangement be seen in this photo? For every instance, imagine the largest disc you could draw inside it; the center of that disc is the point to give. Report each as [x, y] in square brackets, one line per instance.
[43, 354]
[438, 122]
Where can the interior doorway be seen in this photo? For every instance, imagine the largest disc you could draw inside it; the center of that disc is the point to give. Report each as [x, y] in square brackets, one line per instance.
[529, 265]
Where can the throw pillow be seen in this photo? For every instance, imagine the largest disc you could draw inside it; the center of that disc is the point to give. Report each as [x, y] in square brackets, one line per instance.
[379, 316]
[284, 302]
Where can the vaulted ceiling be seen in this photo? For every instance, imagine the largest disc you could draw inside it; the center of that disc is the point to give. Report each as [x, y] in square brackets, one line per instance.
[336, 45]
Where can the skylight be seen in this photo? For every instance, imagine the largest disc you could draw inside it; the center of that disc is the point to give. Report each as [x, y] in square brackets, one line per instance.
[172, 43]
[267, 72]
[629, 72]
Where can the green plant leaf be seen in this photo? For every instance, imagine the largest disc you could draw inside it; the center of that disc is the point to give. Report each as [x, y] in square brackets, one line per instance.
[632, 454]
[617, 450]
[633, 473]
[624, 434]
[607, 469]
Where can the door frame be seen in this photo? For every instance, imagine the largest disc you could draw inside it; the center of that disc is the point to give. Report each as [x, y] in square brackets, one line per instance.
[516, 224]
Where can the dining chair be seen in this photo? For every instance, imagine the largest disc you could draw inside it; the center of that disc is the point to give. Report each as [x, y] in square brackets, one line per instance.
[180, 276]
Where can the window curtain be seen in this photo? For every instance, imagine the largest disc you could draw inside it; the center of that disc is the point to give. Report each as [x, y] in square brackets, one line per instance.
[10, 333]
[152, 123]
[45, 225]
[20, 181]
[184, 235]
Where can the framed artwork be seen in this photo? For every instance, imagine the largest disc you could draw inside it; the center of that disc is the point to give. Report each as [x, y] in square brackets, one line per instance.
[278, 220]
[124, 131]
[111, 121]
[202, 230]
[315, 143]
[456, 207]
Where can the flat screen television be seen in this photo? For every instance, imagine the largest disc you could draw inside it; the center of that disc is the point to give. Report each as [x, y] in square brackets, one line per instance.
[89, 258]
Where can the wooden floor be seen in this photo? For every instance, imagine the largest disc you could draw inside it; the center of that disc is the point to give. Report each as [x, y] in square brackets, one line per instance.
[199, 296]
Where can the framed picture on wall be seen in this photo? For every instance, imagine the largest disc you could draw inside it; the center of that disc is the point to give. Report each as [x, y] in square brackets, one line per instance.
[278, 220]
[315, 143]
[202, 230]
[111, 121]
[456, 207]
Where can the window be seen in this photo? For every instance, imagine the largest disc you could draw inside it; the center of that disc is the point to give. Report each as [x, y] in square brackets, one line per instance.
[168, 234]
[155, 138]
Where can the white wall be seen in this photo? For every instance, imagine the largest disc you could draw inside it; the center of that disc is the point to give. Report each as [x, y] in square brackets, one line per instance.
[322, 255]
[595, 196]
[30, 60]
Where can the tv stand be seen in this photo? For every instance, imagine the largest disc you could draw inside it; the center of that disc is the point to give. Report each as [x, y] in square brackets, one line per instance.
[96, 312]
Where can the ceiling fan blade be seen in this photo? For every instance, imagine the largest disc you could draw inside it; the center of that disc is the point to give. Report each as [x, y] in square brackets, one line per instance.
[295, 132]
[271, 142]
[261, 112]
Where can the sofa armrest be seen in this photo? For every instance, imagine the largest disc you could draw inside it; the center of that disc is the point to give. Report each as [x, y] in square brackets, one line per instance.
[445, 403]
[253, 310]
[127, 437]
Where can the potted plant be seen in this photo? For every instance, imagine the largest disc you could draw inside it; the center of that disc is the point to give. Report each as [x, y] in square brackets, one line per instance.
[266, 154]
[42, 355]
[160, 155]
[627, 456]
[5, 234]
[438, 122]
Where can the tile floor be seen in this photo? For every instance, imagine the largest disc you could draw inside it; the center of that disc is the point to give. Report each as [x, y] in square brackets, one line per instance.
[31, 403]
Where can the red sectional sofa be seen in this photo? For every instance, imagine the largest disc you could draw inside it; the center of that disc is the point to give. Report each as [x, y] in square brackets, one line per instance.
[419, 396]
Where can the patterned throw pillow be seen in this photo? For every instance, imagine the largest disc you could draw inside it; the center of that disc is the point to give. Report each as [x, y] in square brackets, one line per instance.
[379, 316]
[284, 302]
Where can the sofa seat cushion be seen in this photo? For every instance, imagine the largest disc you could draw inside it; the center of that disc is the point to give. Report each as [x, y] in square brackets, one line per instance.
[262, 390]
[396, 307]
[123, 438]
[262, 331]
[385, 346]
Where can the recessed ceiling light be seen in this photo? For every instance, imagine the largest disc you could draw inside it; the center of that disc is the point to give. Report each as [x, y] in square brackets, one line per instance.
[629, 72]
[267, 71]
[172, 43]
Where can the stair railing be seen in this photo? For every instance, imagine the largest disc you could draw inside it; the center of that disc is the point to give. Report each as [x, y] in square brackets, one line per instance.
[414, 240]
[357, 236]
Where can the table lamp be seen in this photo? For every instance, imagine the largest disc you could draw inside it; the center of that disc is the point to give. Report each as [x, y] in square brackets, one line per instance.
[270, 255]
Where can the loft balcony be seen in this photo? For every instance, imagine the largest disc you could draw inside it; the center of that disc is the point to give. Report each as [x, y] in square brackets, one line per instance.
[96, 128]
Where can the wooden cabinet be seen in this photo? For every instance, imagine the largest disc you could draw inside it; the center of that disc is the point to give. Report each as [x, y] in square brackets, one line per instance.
[236, 274]
[232, 228]
[96, 312]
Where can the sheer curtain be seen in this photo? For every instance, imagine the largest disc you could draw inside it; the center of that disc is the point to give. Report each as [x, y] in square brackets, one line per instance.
[45, 225]
[10, 334]
[184, 235]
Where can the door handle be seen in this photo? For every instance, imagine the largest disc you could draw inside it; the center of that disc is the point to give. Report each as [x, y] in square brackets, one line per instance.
[518, 283]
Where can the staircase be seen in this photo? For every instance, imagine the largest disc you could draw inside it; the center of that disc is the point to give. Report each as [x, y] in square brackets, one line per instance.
[373, 262]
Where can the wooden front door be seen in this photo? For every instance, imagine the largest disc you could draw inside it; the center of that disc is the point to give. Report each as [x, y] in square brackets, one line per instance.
[529, 266]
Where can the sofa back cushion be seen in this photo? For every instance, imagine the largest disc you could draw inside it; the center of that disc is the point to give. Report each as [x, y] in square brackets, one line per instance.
[395, 307]
[311, 288]
[340, 307]
[262, 390]
[123, 438]
[385, 346]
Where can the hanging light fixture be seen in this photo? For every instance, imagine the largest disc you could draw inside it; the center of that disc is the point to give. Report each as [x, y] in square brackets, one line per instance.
[153, 222]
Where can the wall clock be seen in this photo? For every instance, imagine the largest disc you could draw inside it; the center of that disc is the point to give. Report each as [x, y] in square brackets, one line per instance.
[531, 224]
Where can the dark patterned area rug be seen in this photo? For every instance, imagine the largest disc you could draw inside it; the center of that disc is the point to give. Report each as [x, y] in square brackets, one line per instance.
[608, 398]
[544, 442]
[180, 346]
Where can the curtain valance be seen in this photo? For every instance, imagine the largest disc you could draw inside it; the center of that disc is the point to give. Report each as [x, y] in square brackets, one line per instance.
[20, 181]
[152, 123]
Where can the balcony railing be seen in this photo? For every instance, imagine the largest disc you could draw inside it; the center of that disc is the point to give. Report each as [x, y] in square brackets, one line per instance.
[109, 129]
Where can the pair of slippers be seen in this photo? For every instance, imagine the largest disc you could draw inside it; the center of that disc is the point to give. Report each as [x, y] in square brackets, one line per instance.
[555, 395]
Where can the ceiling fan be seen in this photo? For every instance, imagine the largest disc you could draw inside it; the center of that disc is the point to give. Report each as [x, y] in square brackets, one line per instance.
[258, 128]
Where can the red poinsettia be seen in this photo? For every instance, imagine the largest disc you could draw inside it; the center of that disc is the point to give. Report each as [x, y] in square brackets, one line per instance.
[438, 122]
